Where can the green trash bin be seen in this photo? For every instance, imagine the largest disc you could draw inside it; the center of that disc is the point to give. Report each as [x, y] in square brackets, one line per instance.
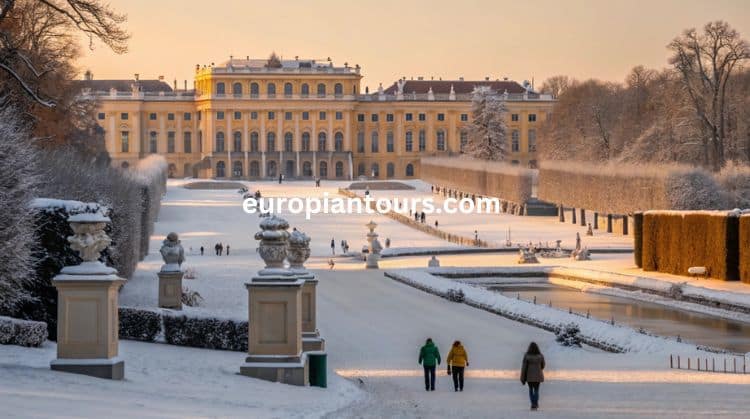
[318, 369]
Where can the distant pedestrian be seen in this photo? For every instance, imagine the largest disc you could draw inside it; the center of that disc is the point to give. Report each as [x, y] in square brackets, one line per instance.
[422, 217]
[532, 373]
[227, 250]
[216, 249]
[221, 249]
[331, 264]
[578, 242]
[476, 237]
[280, 178]
[457, 361]
[201, 250]
[429, 357]
[387, 242]
[436, 224]
[343, 246]
[333, 246]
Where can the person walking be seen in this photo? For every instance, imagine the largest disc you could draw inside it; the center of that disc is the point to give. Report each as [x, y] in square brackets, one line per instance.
[216, 249]
[227, 249]
[532, 373]
[201, 250]
[280, 178]
[333, 246]
[436, 224]
[457, 361]
[221, 249]
[429, 357]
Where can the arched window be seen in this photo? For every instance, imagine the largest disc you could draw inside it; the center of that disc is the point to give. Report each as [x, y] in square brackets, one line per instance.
[339, 169]
[361, 169]
[307, 169]
[220, 169]
[305, 90]
[271, 90]
[422, 140]
[271, 169]
[323, 172]
[219, 141]
[271, 141]
[288, 89]
[440, 140]
[237, 168]
[288, 141]
[360, 142]
[152, 142]
[390, 170]
[389, 142]
[237, 89]
[515, 141]
[409, 170]
[254, 89]
[321, 89]
[237, 141]
[322, 141]
[254, 144]
[375, 170]
[531, 134]
[254, 168]
[171, 170]
[187, 142]
[532, 164]
[220, 90]
[374, 142]
[464, 136]
[409, 143]
[338, 143]
[338, 89]
[305, 141]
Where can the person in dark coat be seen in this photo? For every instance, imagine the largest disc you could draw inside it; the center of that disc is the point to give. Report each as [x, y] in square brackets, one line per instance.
[227, 250]
[201, 250]
[429, 357]
[532, 372]
[333, 246]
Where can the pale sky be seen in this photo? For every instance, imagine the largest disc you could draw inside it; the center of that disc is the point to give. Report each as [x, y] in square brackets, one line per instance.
[394, 38]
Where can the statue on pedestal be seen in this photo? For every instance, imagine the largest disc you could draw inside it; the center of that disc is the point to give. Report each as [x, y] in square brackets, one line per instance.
[172, 253]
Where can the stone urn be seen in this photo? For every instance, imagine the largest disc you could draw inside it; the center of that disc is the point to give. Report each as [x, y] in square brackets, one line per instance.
[89, 240]
[273, 241]
[298, 250]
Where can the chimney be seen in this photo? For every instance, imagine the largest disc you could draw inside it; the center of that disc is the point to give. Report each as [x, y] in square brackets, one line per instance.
[136, 76]
[161, 78]
[175, 84]
[461, 78]
[487, 78]
[185, 84]
[88, 75]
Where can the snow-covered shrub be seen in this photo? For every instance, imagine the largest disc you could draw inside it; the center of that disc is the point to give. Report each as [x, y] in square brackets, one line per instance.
[191, 298]
[676, 290]
[695, 189]
[455, 295]
[52, 253]
[210, 333]
[139, 324]
[735, 181]
[18, 161]
[568, 335]
[190, 273]
[22, 332]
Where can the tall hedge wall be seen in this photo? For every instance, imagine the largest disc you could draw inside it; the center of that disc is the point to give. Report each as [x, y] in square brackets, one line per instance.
[744, 245]
[624, 189]
[479, 177]
[675, 241]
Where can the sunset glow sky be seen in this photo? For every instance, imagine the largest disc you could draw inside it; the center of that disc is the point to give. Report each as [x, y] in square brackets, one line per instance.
[391, 39]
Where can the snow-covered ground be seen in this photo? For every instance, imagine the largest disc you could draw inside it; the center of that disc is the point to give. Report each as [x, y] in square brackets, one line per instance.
[373, 326]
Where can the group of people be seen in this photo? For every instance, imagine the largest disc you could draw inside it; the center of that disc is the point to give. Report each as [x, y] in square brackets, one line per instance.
[532, 367]
[219, 248]
[419, 216]
[344, 246]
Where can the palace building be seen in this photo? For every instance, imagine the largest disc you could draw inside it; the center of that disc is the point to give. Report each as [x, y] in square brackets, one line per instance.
[259, 118]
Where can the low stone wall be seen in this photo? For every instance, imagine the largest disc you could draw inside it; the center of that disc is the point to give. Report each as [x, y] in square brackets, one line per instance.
[673, 241]
[479, 177]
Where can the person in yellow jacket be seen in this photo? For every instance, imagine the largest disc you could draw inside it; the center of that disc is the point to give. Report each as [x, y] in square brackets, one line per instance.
[458, 360]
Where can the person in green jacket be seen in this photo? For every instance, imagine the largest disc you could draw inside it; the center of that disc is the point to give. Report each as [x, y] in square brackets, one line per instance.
[429, 357]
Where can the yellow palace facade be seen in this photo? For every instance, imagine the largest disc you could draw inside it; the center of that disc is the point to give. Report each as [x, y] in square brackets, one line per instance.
[256, 119]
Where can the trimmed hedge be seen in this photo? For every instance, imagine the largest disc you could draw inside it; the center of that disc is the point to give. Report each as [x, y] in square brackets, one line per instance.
[138, 324]
[479, 177]
[675, 241]
[22, 332]
[638, 239]
[743, 240]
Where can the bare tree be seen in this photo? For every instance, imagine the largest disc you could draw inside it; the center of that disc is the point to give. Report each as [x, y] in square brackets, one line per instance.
[556, 85]
[706, 62]
[24, 66]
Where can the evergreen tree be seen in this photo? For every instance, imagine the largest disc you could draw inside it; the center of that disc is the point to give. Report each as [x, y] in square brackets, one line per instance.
[488, 132]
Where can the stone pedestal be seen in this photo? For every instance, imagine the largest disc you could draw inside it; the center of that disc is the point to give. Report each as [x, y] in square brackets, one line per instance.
[372, 261]
[170, 289]
[373, 256]
[275, 350]
[87, 316]
[311, 340]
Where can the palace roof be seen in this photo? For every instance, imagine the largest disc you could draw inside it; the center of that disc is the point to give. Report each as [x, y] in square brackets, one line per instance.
[459, 86]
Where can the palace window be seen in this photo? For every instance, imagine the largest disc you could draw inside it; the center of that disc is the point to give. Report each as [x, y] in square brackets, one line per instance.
[187, 116]
[389, 142]
[339, 116]
[374, 117]
[374, 142]
[101, 115]
[464, 140]
[288, 141]
[409, 116]
[360, 117]
[322, 116]
[219, 142]
[305, 116]
[322, 141]
[515, 141]
[360, 142]
[237, 168]
[288, 89]
[254, 143]
[323, 169]
[271, 115]
[305, 90]
[237, 141]
[389, 117]
[305, 141]
[237, 116]
[254, 168]
[409, 143]
[422, 140]
[152, 142]
[253, 115]
[514, 117]
[532, 117]
[375, 170]
[288, 116]
[271, 90]
[464, 117]
[441, 117]
[152, 116]
[124, 116]
[339, 169]
[187, 142]
[219, 114]
[409, 170]
[440, 140]
[422, 117]
[170, 141]
[271, 141]
[220, 169]
[338, 143]
[321, 90]
[254, 90]
[237, 89]
[532, 140]
[390, 170]
[361, 169]
[124, 141]
[220, 88]
[338, 90]
[307, 169]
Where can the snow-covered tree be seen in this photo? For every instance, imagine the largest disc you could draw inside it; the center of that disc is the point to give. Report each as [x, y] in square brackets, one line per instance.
[488, 133]
[17, 184]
